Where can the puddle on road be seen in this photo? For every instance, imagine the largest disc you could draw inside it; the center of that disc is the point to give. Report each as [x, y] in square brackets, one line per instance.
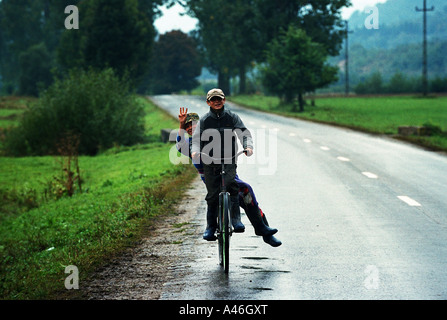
[245, 248]
[261, 269]
[251, 268]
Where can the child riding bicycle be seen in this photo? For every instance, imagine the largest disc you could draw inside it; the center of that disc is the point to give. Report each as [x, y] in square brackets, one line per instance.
[241, 192]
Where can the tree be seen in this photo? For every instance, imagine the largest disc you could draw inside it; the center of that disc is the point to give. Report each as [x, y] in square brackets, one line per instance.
[113, 33]
[125, 30]
[234, 33]
[399, 84]
[438, 85]
[21, 29]
[323, 23]
[35, 65]
[372, 85]
[23, 25]
[176, 63]
[296, 65]
[321, 19]
[215, 34]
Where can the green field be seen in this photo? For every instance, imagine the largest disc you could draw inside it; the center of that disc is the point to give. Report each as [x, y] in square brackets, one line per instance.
[381, 114]
[11, 108]
[123, 189]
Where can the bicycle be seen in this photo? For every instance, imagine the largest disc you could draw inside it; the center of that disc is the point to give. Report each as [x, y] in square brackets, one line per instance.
[224, 226]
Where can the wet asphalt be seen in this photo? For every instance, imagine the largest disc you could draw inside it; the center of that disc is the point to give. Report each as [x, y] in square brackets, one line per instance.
[360, 217]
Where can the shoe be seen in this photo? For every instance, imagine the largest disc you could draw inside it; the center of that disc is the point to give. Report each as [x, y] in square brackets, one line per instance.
[209, 234]
[261, 229]
[238, 227]
[271, 240]
[211, 224]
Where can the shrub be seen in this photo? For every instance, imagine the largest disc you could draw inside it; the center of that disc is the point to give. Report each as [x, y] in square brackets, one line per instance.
[96, 106]
[432, 130]
[374, 84]
[439, 85]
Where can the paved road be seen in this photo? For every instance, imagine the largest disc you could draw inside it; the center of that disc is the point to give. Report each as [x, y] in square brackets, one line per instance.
[360, 217]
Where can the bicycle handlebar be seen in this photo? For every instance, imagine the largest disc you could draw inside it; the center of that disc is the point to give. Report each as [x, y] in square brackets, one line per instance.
[224, 159]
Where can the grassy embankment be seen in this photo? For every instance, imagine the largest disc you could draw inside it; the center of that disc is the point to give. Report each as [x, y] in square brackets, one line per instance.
[124, 188]
[380, 114]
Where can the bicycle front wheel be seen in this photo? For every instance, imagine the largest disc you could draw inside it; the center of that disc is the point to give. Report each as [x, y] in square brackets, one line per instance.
[224, 230]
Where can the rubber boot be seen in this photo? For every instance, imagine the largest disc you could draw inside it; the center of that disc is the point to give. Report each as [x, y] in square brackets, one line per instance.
[271, 240]
[257, 221]
[211, 224]
[238, 226]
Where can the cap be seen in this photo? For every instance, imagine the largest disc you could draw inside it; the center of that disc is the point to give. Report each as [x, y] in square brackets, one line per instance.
[190, 117]
[215, 93]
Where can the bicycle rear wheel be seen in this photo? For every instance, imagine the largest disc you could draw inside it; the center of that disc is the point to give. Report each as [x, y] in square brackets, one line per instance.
[224, 232]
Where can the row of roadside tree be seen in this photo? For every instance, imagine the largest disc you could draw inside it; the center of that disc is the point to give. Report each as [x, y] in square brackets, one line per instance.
[233, 36]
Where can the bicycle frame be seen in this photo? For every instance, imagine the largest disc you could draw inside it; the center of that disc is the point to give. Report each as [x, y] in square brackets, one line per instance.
[222, 171]
[224, 230]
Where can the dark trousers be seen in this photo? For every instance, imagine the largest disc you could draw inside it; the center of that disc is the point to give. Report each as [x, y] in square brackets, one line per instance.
[213, 182]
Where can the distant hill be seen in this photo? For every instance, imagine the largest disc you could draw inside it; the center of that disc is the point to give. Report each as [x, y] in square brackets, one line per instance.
[400, 23]
[397, 11]
[396, 47]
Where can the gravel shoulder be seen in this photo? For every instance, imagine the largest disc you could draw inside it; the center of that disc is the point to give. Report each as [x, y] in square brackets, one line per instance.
[162, 256]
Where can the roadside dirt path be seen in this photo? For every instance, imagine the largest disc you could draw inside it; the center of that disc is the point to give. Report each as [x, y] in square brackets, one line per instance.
[141, 272]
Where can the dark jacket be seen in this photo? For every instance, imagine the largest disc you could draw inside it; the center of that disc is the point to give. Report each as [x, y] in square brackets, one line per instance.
[216, 134]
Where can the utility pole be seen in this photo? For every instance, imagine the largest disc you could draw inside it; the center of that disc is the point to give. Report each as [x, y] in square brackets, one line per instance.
[347, 60]
[424, 53]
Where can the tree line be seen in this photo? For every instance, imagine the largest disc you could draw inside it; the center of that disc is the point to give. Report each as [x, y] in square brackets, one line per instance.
[398, 84]
[35, 47]
[288, 41]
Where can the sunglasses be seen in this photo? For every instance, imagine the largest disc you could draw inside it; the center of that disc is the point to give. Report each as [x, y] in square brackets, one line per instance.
[214, 99]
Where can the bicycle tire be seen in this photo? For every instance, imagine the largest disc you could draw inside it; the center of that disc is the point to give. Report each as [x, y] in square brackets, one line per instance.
[224, 231]
[219, 232]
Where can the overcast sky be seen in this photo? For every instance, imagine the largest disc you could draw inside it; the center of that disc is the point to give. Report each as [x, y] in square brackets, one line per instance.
[172, 20]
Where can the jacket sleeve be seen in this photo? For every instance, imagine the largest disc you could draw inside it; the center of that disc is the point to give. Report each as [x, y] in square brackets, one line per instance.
[182, 143]
[195, 146]
[243, 134]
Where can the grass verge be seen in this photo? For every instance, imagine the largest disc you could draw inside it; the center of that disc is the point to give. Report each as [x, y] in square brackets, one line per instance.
[380, 114]
[124, 189]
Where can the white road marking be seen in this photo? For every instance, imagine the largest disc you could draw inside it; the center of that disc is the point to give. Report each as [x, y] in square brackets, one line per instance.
[307, 140]
[343, 159]
[409, 201]
[370, 175]
[324, 148]
[292, 134]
